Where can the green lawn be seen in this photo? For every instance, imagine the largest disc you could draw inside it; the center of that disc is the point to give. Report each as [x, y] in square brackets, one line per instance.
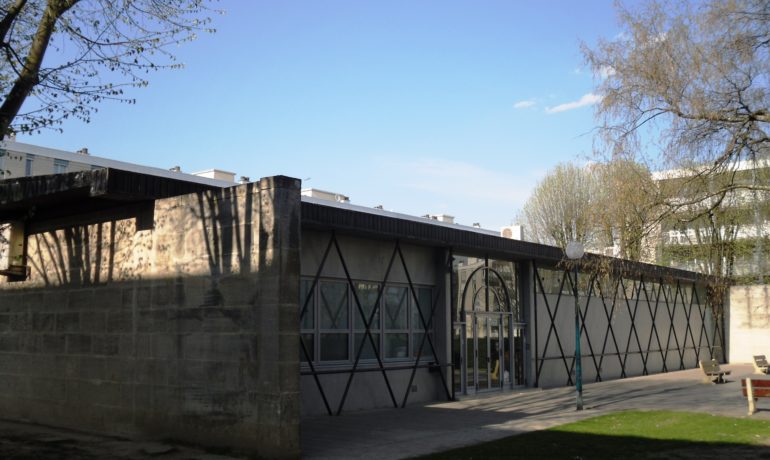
[636, 435]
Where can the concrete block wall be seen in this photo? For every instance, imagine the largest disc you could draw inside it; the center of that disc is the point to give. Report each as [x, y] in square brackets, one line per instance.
[186, 330]
[749, 323]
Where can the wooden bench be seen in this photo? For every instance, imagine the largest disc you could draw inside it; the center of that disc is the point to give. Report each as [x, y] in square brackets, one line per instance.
[754, 389]
[760, 364]
[712, 371]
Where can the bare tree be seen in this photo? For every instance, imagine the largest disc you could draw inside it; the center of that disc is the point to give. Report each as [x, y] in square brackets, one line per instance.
[686, 90]
[567, 194]
[61, 57]
[613, 205]
[686, 86]
[627, 208]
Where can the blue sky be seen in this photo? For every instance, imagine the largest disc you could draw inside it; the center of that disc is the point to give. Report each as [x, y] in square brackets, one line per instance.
[454, 107]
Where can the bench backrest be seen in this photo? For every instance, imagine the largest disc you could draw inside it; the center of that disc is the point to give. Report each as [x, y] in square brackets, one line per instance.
[710, 367]
[760, 360]
[760, 387]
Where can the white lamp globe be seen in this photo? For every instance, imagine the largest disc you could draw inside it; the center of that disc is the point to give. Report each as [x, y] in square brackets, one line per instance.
[574, 250]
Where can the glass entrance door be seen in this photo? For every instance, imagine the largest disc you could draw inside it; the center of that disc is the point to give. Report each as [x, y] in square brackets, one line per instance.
[489, 366]
[482, 353]
[489, 340]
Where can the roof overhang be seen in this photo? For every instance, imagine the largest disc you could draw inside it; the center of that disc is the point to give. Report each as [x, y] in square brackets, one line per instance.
[86, 190]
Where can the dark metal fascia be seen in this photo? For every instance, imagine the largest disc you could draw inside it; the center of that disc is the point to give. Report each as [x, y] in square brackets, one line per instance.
[347, 221]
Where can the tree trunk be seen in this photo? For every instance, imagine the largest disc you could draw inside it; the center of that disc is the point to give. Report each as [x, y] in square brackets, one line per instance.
[30, 72]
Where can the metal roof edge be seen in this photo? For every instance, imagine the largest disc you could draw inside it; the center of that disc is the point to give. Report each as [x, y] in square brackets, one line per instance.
[396, 215]
[322, 214]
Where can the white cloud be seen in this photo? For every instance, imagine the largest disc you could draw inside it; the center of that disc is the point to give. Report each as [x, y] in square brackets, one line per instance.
[524, 104]
[585, 100]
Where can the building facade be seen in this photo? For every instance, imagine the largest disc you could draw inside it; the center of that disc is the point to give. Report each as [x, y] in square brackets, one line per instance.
[726, 234]
[222, 315]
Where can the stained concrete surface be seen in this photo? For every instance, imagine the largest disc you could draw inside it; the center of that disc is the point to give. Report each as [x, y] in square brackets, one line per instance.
[417, 430]
[25, 441]
[421, 429]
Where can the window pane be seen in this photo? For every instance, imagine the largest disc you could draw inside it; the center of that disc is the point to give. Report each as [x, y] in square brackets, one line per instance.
[333, 308]
[308, 318]
[368, 351]
[417, 342]
[367, 295]
[307, 339]
[334, 347]
[396, 345]
[60, 166]
[395, 307]
[425, 304]
[28, 164]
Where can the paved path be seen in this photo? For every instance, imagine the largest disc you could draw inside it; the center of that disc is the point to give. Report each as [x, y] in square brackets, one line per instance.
[416, 430]
[25, 441]
[390, 433]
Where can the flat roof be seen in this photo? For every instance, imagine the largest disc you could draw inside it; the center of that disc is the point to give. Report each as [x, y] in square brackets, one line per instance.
[108, 163]
[396, 215]
[380, 224]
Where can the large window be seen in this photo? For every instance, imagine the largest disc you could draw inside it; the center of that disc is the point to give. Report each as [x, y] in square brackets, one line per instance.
[333, 328]
[60, 166]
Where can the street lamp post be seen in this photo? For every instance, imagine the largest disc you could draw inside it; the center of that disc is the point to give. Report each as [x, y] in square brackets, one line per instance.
[574, 252]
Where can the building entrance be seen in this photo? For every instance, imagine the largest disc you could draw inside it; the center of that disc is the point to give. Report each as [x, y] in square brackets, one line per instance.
[490, 367]
[485, 351]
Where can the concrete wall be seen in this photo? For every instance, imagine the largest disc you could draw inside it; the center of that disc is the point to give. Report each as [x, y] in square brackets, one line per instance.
[749, 322]
[680, 345]
[182, 327]
[367, 260]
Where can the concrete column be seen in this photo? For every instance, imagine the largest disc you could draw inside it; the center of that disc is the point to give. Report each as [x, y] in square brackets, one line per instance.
[526, 297]
[277, 348]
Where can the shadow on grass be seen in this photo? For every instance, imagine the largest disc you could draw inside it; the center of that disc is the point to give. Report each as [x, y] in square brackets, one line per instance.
[633, 435]
[553, 444]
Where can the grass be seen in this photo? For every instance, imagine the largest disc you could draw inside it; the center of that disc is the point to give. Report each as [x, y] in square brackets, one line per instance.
[633, 435]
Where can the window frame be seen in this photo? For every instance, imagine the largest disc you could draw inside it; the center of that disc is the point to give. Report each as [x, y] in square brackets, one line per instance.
[60, 166]
[354, 329]
[28, 163]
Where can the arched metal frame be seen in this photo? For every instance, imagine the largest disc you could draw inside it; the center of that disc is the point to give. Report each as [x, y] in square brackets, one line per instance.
[506, 311]
[487, 269]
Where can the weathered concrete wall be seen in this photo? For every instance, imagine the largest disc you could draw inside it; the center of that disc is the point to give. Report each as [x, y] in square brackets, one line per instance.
[643, 334]
[187, 329]
[749, 322]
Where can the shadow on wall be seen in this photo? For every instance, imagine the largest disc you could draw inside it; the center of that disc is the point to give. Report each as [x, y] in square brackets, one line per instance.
[226, 225]
[179, 329]
[207, 232]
